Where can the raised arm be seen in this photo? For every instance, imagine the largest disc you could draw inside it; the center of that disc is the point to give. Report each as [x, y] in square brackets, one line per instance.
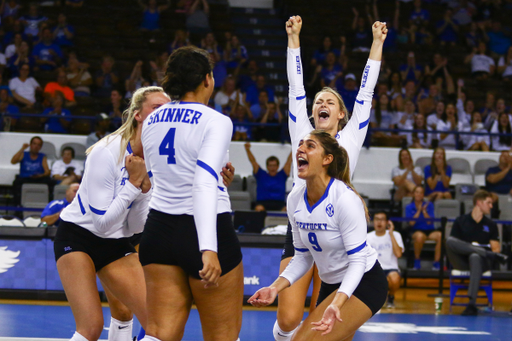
[252, 159]
[288, 165]
[16, 158]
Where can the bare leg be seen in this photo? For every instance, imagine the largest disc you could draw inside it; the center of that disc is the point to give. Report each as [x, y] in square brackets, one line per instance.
[436, 236]
[419, 239]
[78, 277]
[393, 282]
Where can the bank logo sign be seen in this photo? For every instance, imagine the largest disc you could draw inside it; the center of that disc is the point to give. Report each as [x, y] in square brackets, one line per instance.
[7, 258]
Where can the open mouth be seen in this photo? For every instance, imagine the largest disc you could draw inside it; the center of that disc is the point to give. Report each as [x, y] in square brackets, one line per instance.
[323, 115]
[302, 163]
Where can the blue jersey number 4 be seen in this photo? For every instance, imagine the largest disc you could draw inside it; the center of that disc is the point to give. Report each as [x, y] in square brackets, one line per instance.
[314, 242]
[167, 146]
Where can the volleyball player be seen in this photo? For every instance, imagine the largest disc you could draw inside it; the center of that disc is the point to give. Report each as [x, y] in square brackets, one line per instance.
[189, 248]
[94, 235]
[331, 115]
[328, 219]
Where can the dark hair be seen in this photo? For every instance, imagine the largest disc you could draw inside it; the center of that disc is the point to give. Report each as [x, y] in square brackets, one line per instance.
[378, 109]
[400, 164]
[481, 195]
[433, 168]
[339, 168]
[507, 140]
[444, 116]
[36, 137]
[70, 149]
[272, 158]
[424, 128]
[381, 212]
[186, 69]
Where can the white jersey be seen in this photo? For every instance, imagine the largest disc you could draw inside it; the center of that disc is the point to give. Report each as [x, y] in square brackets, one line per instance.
[384, 248]
[353, 134]
[332, 234]
[107, 204]
[185, 147]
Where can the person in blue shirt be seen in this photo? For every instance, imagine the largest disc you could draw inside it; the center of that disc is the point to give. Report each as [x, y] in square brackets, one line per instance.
[348, 90]
[58, 124]
[447, 29]
[498, 180]
[254, 90]
[418, 14]
[33, 20]
[437, 176]
[151, 14]
[63, 34]
[33, 167]
[422, 230]
[51, 213]
[47, 54]
[271, 185]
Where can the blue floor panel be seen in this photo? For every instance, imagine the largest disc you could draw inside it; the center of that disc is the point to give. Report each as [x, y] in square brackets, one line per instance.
[32, 321]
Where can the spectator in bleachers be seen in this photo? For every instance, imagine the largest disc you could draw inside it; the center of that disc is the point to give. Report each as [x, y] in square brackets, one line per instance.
[410, 92]
[498, 41]
[385, 72]
[226, 97]
[393, 26]
[348, 91]
[320, 55]
[33, 167]
[16, 28]
[24, 88]
[180, 40]
[271, 115]
[382, 115]
[63, 33]
[447, 29]
[419, 15]
[502, 126]
[389, 246]
[79, 79]
[449, 123]
[396, 90]
[13, 46]
[75, 3]
[21, 57]
[476, 142]
[197, 18]
[411, 70]
[463, 12]
[101, 129]
[32, 20]
[235, 54]
[51, 213]
[482, 66]
[151, 14]
[505, 66]
[106, 78]
[429, 99]
[254, 90]
[331, 71]
[498, 180]
[260, 108]
[420, 138]
[209, 43]
[11, 9]
[61, 86]
[271, 184]
[67, 170]
[405, 176]
[62, 122]
[135, 81]
[489, 106]
[421, 230]
[473, 245]
[116, 107]
[249, 78]
[439, 70]
[474, 35]
[8, 111]
[158, 67]
[241, 115]
[361, 36]
[493, 115]
[486, 9]
[421, 35]
[405, 118]
[48, 55]
[437, 176]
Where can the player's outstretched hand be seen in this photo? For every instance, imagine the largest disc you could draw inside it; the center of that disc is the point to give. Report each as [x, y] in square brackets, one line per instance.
[380, 31]
[263, 297]
[294, 25]
[331, 315]
[211, 269]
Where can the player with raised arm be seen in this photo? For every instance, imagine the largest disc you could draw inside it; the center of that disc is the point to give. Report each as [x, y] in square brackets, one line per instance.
[331, 115]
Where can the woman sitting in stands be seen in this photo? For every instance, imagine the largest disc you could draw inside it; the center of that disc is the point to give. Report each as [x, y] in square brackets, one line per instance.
[437, 176]
[405, 177]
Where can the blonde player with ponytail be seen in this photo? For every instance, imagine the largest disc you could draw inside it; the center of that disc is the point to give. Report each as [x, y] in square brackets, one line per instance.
[328, 219]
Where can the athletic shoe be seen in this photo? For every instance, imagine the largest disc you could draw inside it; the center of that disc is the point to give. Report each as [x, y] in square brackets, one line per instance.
[391, 302]
[471, 310]
[417, 264]
[436, 266]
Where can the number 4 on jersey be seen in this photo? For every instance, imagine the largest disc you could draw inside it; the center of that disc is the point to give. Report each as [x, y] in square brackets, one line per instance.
[167, 146]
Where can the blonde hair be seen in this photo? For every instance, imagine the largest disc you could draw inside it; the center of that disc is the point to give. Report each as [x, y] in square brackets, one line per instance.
[128, 128]
[343, 108]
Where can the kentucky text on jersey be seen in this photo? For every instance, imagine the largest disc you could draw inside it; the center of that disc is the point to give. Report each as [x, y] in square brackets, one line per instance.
[311, 226]
[176, 115]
